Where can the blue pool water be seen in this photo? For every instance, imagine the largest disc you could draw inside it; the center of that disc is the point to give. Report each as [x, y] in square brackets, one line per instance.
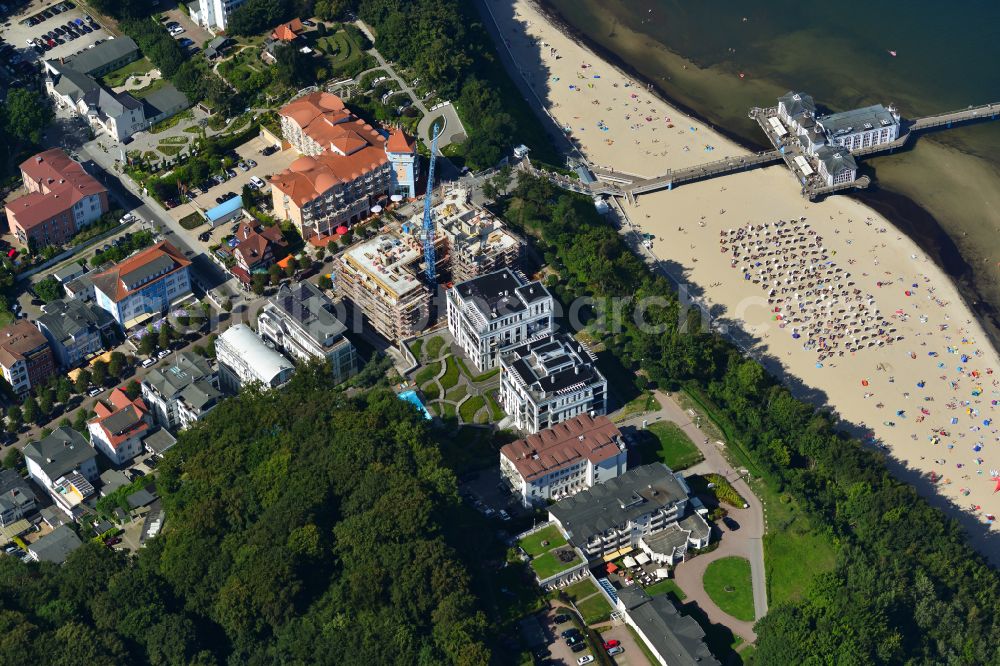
[412, 398]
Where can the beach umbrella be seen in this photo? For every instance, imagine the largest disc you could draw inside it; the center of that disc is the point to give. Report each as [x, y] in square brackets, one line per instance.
[997, 487]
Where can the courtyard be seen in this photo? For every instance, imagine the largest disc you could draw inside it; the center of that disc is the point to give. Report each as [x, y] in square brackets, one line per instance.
[450, 384]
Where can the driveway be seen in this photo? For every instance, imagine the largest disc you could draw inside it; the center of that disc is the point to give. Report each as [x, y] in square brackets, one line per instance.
[747, 542]
[633, 654]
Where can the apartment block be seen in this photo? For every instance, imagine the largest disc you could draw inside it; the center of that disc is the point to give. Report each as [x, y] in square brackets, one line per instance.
[26, 358]
[183, 392]
[62, 199]
[76, 330]
[546, 381]
[303, 323]
[562, 460]
[144, 285]
[245, 359]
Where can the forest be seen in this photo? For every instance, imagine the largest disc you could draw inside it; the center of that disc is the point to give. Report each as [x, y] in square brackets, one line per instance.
[304, 526]
[907, 587]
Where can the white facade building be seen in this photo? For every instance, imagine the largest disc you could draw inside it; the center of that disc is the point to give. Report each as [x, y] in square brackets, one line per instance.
[495, 311]
[65, 466]
[836, 165]
[564, 459]
[547, 381]
[182, 393]
[244, 358]
[861, 128]
[301, 321]
[213, 14]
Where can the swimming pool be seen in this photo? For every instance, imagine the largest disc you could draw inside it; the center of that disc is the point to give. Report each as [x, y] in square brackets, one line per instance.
[412, 398]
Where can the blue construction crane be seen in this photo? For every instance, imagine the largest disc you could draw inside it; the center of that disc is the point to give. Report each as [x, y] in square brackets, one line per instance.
[429, 255]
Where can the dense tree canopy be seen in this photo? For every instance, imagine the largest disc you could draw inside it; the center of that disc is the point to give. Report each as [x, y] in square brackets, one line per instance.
[25, 114]
[303, 527]
[907, 587]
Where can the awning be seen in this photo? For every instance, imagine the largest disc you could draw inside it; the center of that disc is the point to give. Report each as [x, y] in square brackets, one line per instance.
[135, 322]
[618, 553]
[642, 558]
[611, 567]
[629, 561]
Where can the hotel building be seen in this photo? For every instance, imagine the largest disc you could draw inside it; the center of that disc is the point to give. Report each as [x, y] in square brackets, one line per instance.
[182, 393]
[144, 285]
[346, 167]
[495, 311]
[244, 359]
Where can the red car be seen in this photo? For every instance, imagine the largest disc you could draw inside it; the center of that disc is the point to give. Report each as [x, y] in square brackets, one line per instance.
[113, 541]
[611, 644]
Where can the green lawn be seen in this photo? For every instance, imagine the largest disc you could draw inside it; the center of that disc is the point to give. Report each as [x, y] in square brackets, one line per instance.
[191, 221]
[431, 391]
[151, 88]
[416, 347]
[434, 346]
[595, 609]
[427, 373]
[118, 76]
[469, 408]
[450, 376]
[580, 590]
[548, 564]
[457, 393]
[532, 544]
[6, 317]
[177, 140]
[794, 551]
[170, 151]
[727, 582]
[646, 402]
[675, 448]
[474, 378]
[496, 412]
[666, 586]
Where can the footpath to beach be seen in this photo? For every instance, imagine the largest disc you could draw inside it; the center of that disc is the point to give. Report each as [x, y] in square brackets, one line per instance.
[829, 295]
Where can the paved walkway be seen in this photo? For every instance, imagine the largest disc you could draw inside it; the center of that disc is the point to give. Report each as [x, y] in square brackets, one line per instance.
[747, 542]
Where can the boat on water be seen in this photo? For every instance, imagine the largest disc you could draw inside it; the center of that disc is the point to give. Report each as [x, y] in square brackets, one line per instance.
[892, 53]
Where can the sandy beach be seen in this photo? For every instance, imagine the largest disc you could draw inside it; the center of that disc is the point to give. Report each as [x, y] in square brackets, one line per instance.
[830, 292]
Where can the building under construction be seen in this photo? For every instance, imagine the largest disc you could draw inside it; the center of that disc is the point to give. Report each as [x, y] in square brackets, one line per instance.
[384, 276]
[475, 240]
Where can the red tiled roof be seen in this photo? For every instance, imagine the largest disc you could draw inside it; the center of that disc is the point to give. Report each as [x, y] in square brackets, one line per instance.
[63, 182]
[110, 281]
[288, 31]
[128, 414]
[564, 444]
[309, 177]
[399, 142]
[18, 339]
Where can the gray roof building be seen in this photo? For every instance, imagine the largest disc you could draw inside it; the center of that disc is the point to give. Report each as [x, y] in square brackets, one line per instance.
[857, 120]
[676, 639]
[836, 160]
[159, 442]
[60, 453]
[183, 392]
[164, 103]
[75, 329]
[69, 272]
[112, 480]
[618, 501]
[55, 547]
[798, 104]
[187, 368]
[140, 498]
[109, 54]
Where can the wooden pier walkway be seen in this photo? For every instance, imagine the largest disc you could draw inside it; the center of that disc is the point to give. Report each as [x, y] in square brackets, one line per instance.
[620, 183]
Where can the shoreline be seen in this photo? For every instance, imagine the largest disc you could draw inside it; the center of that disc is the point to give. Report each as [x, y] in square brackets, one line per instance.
[918, 223]
[877, 339]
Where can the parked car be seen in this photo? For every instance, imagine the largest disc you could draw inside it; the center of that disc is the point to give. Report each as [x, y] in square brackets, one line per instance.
[243, 166]
[89, 28]
[270, 150]
[611, 644]
[251, 163]
[163, 354]
[569, 632]
[574, 639]
[205, 237]
[257, 182]
[231, 173]
[185, 42]
[585, 659]
[220, 200]
[616, 650]
[113, 541]
[148, 362]
[730, 523]
[559, 619]
[579, 647]
[94, 391]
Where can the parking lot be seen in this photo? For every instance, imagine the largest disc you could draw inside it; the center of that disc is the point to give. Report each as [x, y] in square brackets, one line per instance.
[267, 165]
[54, 25]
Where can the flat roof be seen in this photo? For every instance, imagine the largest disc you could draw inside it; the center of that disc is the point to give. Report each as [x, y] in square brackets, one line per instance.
[225, 208]
[387, 259]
